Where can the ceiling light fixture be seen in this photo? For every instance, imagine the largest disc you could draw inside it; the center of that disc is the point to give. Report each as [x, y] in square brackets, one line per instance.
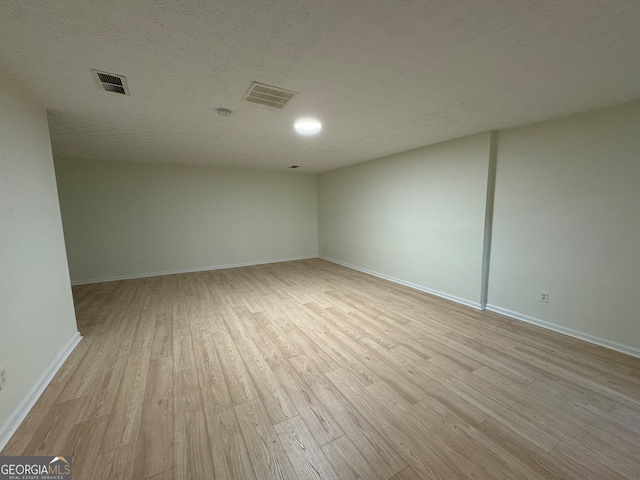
[307, 126]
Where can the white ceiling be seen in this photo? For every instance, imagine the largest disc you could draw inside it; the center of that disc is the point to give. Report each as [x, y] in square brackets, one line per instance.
[383, 76]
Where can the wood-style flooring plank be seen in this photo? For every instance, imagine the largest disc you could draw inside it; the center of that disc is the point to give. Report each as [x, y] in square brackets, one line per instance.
[115, 464]
[166, 475]
[626, 416]
[580, 464]
[84, 445]
[318, 419]
[52, 433]
[315, 414]
[228, 450]
[99, 377]
[269, 458]
[239, 383]
[568, 424]
[526, 452]
[482, 456]
[373, 446]
[415, 366]
[192, 452]
[17, 444]
[304, 453]
[425, 455]
[155, 444]
[347, 461]
[505, 409]
[274, 397]
[162, 340]
[127, 409]
[406, 474]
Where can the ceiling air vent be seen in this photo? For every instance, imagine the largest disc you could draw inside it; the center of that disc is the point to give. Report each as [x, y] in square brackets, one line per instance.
[268, 95]
[111, 82]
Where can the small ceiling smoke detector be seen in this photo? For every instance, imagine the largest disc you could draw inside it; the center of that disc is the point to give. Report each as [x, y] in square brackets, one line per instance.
[111, 82]
[223, 112]
[294, 166]
[268, 95]
[307, 126]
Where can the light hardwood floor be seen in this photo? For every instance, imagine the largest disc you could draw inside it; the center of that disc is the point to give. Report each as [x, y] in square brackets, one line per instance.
[310, 370]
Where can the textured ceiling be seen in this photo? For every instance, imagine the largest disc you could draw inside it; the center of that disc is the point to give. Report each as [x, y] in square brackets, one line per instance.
[383, 76]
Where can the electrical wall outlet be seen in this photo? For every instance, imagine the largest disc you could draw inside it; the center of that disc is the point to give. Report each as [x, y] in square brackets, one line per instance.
[3, 377]
[544, 297]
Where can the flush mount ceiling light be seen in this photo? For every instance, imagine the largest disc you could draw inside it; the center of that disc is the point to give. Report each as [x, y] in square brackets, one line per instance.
[307, 126]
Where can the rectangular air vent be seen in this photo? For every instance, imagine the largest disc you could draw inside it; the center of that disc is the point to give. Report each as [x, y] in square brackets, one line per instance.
[111, 82]
[268, 95]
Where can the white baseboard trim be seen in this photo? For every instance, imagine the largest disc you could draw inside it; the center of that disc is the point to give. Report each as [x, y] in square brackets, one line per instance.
[12, 423]
[634, 352]
[189, 270]
[415, 286]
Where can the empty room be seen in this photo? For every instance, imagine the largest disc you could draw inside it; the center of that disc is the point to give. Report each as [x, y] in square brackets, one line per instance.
[383, 240]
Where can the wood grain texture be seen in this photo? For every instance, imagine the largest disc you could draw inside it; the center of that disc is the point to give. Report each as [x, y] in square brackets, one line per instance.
[126, 412]
[304, 453]
[406, 474]
[154, 452]
[228, 450]
[192, 453]
[239, 382]
[347, 460]
[34, 420]
[265, 449]
[166, 475]
[115, 464]
[307, 369]
[55, 427]
[83, 444]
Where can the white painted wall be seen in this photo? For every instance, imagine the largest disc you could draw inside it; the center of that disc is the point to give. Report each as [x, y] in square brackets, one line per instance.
[133, 219]
[37, 319]
[567, 221]
[417, 216]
